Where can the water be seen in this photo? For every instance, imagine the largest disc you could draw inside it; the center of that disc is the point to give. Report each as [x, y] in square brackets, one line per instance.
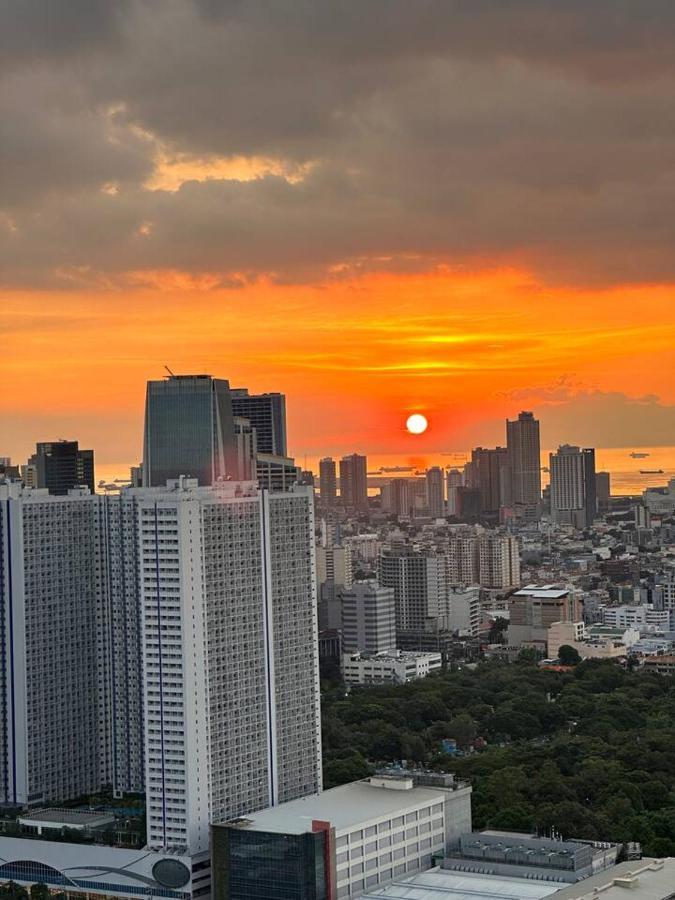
[624, 471]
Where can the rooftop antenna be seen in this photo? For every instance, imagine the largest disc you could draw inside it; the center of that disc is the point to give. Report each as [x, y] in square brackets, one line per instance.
[169, 371]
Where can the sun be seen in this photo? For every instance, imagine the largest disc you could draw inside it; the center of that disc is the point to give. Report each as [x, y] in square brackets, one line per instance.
[417, 424]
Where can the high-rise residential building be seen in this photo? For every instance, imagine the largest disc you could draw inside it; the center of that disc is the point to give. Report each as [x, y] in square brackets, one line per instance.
[230, 659]
[119, 643]
[499, 560]
[333, 573]
[50, 671]
[524, 464]
[327, 481]
[368, 618]
[463, 559]
[603, 490]
[488, 472]
[435, 492]
[354, 482]
[490, 559]
[189, 430]
[573, 493]
[60, 466]
[267, 414]
[454, 480]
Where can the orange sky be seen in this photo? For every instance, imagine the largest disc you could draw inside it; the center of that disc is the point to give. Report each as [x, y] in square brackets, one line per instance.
[354, 357]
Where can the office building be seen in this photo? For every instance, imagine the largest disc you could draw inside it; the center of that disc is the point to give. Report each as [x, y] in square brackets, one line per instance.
[59, 466]
[276, 473]
[454, 479]
[327, 481]
[354, 482]
[419, 584]
[230, 661]
[7, 470]
[49, 665]
[333, 573]
[435, 492]
[463, 611]
[573, 493]
[342, 842]
[389, 666]
[189, 430]
[267, 414]
[368, 618]
[524, 464]
[488, 474]
[532, 611]
[602, 490]
[499, 561]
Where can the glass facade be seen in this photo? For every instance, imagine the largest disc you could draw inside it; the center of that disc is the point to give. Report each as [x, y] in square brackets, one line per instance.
[189, 430]
[258, 865]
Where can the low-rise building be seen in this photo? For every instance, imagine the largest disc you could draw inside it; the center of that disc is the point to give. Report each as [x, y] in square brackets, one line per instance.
[392, 667]
[341, 842]
[95, 870]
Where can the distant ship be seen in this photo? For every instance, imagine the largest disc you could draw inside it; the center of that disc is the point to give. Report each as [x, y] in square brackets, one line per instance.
[651, 471]
[635, 455]
[396, 468]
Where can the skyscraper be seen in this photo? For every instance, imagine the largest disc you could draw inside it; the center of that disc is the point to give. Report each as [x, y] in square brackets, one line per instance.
[50, 670]
[573, 493]
[419, 585]
[230, 659]
[60, 466]
[189, 430]
[354, 482]
[435, 492]
[603, 490]
[488, 469]
[267, 414]
[454, 479]
[327, 481]
[524, 464]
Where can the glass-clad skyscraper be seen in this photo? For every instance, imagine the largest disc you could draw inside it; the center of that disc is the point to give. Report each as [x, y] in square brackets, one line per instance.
[267, 414]
[189, 430]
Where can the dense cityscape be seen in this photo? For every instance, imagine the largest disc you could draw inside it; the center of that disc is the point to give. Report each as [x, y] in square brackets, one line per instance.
[482, 651]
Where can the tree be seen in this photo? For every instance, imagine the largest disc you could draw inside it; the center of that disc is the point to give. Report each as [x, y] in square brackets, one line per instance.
[568, 656]
[39, 891]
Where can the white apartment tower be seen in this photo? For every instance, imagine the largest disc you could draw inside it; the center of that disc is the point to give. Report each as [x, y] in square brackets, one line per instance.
[50, 671]
[230, 660]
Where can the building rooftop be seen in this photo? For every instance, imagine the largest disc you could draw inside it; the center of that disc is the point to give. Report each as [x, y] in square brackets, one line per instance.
[444, 884]
[645, 879]
[542, 592]
[66, 818]
[347, 806]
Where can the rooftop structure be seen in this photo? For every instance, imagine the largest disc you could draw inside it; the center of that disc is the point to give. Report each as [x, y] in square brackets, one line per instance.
[58, 819]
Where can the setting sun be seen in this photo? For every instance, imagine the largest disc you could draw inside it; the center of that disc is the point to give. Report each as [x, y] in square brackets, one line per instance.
[417, 424]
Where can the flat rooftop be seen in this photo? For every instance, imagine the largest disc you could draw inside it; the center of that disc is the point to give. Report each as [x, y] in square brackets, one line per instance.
[443, 884]
[643, 879]
[66, 818]
[347, 806]
[542, 592]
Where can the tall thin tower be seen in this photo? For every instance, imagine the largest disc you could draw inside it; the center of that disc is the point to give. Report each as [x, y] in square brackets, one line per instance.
[524, 463]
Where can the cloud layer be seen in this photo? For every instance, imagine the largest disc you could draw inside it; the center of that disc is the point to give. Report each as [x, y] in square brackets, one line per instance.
[303, 140]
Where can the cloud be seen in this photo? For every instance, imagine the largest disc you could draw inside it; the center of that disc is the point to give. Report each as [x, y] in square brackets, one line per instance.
[608, 419]
[301, 141]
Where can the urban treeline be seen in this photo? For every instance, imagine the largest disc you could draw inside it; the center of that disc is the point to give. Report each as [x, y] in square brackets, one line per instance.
[588, 753]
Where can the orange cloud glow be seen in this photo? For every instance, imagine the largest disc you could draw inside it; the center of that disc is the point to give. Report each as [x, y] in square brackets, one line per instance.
[355, 357]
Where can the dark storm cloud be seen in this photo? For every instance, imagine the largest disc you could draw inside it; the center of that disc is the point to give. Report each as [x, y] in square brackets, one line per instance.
[35, 29]
[435, 131]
